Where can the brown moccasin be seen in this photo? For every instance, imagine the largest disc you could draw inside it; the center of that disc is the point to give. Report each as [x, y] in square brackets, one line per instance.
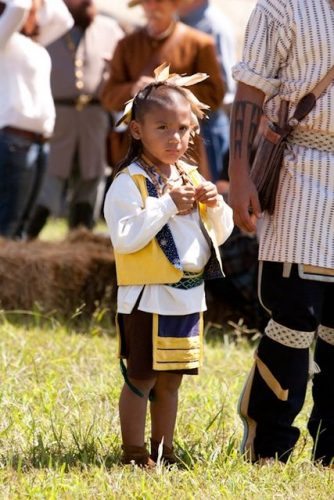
[137, 455]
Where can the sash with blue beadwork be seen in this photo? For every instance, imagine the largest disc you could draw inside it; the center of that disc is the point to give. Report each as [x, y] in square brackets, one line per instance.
[166, 242]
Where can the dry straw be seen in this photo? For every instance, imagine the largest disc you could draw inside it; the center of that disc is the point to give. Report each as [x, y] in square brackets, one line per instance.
[57, 276]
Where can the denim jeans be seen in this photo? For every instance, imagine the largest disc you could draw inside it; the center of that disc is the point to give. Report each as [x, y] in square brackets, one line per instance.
[22, 167]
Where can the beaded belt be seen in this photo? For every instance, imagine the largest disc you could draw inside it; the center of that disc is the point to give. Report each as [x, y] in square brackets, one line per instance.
[313, 139]
[189, 280]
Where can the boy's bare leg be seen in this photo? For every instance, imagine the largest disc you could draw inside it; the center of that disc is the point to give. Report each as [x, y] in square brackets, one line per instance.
[132, 412]
[164, 407]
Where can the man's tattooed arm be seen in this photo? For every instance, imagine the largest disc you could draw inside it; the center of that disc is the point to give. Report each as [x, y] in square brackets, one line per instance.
[245, 120]
[246, 117]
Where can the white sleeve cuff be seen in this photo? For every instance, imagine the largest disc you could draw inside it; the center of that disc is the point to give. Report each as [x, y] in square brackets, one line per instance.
[168, 204]
[242, 73]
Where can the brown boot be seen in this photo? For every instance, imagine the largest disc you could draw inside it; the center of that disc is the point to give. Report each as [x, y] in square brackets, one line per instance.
[168, 457]
[137, 455]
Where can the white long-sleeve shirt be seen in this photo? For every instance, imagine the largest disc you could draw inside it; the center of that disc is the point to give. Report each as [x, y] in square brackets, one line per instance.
[25, 94]
[289, 47]
[132, 226]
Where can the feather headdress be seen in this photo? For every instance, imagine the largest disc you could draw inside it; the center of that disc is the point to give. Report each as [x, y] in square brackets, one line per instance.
[162, 75]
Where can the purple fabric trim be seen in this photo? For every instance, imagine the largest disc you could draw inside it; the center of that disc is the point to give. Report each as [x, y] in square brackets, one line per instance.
[179, 326]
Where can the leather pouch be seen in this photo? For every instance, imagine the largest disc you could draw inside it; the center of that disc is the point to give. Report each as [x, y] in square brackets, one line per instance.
[267, 163]
[268, 159]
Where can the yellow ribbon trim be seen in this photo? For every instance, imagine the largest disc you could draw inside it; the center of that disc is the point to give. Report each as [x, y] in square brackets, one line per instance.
[170, 353]
[318, 270]
[271, 381]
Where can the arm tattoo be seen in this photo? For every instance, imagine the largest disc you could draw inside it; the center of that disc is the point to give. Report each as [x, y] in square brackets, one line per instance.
[245, 122]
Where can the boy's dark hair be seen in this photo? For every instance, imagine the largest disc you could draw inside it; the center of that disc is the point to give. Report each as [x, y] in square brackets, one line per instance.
[154, 94]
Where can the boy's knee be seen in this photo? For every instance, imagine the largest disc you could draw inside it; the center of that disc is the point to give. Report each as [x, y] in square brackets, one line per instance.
[144, 386]
[168, 383]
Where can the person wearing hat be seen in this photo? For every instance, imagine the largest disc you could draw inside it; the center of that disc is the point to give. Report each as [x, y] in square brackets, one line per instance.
[162, 39]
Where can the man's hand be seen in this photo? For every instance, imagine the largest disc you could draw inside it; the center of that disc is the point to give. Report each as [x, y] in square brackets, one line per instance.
[207, 193]
[244, 201]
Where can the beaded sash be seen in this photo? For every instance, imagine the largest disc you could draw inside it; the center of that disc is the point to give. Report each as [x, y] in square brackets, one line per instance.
[313, 139]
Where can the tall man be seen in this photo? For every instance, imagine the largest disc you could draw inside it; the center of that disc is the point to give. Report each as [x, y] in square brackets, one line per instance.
[77, 153]
[288, 48]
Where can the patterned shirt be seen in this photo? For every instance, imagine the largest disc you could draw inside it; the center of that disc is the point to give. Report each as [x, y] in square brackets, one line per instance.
[289, 47]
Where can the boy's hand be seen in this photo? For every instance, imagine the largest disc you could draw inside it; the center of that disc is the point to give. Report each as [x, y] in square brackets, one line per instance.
[207, 193]
[183, 197]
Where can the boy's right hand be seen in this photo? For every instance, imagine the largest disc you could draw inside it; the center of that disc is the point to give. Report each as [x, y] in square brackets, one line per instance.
[183, 197]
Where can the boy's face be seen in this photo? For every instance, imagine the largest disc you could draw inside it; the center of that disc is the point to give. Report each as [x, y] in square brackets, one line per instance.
[164, 131]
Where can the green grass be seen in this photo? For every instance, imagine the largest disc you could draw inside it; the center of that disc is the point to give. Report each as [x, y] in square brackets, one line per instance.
[57, 229]
[59, 429]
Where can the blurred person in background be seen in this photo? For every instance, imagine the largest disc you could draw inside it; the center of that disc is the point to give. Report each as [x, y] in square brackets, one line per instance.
[27, 111]
[162, 39]
[206, 17]
[77, 160]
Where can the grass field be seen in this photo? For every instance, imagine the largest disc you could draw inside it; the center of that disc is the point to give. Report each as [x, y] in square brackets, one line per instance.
[59, 431]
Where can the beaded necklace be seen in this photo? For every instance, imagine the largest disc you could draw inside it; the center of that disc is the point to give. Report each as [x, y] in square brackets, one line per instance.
[163, 183]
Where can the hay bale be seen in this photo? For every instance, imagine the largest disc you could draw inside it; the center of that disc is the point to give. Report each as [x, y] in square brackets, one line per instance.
[79, 272]
[57, 276]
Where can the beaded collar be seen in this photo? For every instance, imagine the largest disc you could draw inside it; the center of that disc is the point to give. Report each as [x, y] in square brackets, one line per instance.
[161, 182]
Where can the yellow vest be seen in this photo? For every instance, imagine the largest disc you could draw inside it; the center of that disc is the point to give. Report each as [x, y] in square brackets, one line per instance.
[149, 265]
